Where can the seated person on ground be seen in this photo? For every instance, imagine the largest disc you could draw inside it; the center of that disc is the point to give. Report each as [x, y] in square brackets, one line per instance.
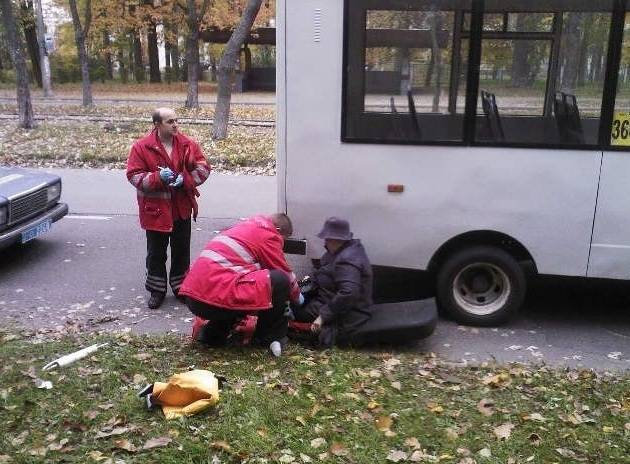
[341, 299]
[243, 271]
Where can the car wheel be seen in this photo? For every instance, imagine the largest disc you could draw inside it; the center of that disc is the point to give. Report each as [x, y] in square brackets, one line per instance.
[482, 286]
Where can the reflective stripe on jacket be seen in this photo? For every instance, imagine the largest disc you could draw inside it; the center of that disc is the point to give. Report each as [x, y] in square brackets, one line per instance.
[232, 271]
[158, 203]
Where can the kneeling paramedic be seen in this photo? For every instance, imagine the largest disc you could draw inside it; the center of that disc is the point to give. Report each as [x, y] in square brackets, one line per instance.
[243, 271]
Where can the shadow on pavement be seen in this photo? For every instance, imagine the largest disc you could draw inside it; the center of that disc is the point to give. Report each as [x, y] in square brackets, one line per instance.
[579, 301]
[22, 257]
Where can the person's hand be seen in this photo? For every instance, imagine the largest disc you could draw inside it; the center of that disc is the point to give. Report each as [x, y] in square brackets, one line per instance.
[301, 299]
[177, 182]
[316, 325]
[166, 174]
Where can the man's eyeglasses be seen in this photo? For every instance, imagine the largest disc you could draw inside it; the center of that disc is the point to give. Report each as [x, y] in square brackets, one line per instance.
[170, 121]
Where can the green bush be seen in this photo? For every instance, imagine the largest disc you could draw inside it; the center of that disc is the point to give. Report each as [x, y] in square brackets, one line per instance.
[7, 76]
[65, 69]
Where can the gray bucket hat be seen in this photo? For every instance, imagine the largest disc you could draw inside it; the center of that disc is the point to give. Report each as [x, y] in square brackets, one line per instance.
[336, 228]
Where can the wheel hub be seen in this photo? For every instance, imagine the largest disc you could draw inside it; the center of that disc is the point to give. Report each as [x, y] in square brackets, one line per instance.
[481, 288]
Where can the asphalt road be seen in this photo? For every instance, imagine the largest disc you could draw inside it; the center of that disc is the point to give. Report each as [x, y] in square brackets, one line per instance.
[87, 274]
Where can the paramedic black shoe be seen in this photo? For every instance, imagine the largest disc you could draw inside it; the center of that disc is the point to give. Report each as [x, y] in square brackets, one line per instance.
[276, 348]
[156, 300]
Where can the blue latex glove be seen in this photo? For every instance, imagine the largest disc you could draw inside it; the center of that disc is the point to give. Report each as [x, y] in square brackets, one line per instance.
[177, 182]
[166, 174]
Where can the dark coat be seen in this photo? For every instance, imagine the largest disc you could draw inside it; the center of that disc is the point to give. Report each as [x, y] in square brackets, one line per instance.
[342, 292]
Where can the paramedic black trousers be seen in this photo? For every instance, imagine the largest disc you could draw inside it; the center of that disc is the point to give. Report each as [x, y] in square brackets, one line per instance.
[272, 323]
[157, 245]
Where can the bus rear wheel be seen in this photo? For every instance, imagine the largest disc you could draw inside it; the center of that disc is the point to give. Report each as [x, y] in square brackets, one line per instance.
[481, 285]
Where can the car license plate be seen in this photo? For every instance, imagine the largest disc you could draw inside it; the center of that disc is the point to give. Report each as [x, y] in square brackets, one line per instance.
[36, 231]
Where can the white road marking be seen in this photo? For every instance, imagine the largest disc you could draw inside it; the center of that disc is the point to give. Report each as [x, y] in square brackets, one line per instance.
[93, 218]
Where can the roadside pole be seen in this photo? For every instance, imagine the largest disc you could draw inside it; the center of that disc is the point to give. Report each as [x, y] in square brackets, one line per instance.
[43, 51]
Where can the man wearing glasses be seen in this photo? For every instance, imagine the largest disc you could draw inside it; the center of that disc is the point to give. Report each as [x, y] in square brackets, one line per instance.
[166, 167]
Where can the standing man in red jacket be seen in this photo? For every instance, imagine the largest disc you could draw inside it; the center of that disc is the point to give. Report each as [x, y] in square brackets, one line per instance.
[166, 167]
[243, 271]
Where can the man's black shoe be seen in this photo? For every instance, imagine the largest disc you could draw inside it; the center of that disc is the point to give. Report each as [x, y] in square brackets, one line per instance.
[181, 298]
[156, 300]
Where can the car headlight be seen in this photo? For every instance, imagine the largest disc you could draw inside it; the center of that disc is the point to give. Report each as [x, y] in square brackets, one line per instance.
[3, 215]
[54, 192]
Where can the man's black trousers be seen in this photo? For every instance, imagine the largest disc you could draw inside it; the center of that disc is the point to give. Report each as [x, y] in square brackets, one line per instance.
[157, 245]
[272, 323]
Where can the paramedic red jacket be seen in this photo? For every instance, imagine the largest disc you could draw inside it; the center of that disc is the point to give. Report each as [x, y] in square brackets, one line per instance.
[232, 271]
[158, 203]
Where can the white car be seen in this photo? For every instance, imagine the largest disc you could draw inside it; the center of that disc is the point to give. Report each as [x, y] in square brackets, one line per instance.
[29, 204]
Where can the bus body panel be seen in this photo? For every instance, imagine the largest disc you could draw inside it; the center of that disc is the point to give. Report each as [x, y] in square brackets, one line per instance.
[610, 253]
[281, 101]
[543, 198]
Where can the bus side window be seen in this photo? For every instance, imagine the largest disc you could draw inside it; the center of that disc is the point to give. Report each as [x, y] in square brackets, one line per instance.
[405, 78]
[540, 62]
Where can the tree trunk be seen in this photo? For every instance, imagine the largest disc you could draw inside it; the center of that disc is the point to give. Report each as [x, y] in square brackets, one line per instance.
[30, 34]
[109, 66]
[138, 63]
[121, 64]
[192, 55]
[43, 51]
[80, 33]
[25, 108]
[154, 58]
[177, 74]
[582, 69]
[571, 61]
[213, 69]
[429, 75]
[521, 69]
[168, 71]
[225, 72]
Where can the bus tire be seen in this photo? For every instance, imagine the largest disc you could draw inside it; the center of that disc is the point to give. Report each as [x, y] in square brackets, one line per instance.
[482, 286]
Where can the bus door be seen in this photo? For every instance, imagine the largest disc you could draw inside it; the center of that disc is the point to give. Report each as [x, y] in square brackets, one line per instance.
[610, 246]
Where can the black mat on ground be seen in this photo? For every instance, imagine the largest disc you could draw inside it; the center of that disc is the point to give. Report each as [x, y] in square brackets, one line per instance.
[400, 322]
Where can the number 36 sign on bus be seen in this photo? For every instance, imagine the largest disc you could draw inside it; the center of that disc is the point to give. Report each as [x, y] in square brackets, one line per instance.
[620, 134]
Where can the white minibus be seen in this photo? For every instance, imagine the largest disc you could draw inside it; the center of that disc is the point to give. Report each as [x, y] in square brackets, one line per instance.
[479, 141]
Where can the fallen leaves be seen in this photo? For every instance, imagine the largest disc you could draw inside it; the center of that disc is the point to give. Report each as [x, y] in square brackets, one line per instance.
[157, 442]
[534, 417]
[503, 431]
[318, 442]
[248, 150]
[501, 380]
[570, 454]
[575, 418]
[346, 409]
[112, 432]
[338, 449]
[397, 456]
[486, 407]
[383, 423]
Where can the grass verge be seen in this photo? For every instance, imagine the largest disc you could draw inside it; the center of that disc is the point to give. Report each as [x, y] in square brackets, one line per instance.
[342, 406]
[96, 144]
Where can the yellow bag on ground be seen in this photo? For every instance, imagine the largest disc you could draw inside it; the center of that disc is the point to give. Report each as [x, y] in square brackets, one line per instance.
[184, 394]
